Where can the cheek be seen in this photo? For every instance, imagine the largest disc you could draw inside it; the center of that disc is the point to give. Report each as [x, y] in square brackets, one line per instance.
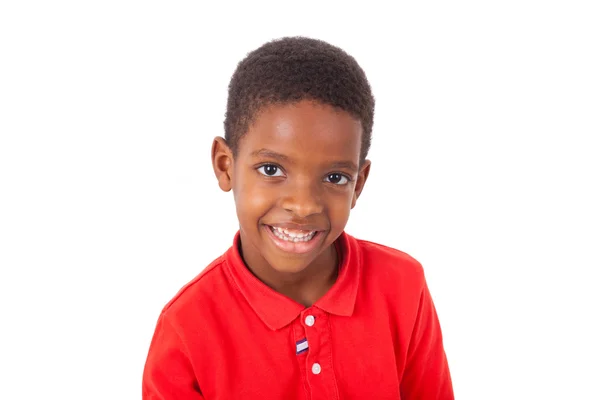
[340, 215]
[252, 199]
[339, 210]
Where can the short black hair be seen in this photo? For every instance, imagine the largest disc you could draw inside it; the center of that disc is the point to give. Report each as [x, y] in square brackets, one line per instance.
[292, 69]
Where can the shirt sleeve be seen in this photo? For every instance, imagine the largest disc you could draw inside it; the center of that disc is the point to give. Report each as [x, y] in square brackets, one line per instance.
[168, 373]
[426, 375]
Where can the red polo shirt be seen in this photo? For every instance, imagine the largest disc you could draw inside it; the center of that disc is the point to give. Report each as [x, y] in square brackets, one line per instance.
[374, 335]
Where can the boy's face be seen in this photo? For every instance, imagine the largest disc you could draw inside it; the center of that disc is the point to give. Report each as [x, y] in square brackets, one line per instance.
[295, 178]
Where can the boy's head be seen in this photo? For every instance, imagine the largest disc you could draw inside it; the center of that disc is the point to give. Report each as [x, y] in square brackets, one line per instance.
[292, 69]
[297, 132]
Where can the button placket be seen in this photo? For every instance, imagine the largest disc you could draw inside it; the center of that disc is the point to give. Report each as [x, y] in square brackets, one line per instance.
[313, 333]
[321, 378]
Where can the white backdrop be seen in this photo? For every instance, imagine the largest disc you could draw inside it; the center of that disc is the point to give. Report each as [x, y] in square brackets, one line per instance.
[485, 168]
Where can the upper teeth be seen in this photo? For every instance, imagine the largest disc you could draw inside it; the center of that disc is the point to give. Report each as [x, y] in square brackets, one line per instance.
[298, 234]
[294, 235]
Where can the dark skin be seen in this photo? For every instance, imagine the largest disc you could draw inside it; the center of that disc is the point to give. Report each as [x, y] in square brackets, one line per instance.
[297, 168]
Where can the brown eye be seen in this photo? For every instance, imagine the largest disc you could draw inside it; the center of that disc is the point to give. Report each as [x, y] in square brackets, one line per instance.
[337, 179]
[270, 170]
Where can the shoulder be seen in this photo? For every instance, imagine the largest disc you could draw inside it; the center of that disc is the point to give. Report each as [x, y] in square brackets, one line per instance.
[389, 266]
[193, 298]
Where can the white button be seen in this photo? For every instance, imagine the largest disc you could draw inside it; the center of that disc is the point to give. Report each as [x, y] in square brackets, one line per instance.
[316, 368]
[310, 320]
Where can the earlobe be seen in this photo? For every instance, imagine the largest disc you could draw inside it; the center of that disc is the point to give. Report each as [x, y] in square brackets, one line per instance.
[363, 174]
[222, 161]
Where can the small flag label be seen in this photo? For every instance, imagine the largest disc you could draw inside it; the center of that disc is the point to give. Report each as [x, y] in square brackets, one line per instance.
[301, 346]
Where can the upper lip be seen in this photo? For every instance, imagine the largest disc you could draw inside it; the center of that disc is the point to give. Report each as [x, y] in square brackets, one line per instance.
[296, 227]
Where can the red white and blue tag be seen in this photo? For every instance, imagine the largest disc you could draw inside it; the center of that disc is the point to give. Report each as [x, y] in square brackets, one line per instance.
[301, 346]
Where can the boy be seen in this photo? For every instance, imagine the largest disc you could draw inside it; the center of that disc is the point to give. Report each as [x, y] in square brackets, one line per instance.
[297, 308]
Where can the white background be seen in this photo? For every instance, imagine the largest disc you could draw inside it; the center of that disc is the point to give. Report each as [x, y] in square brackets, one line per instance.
[485, 168]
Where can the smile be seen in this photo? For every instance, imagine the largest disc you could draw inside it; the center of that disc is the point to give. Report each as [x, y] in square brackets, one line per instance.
[294, 240]
[292, 235]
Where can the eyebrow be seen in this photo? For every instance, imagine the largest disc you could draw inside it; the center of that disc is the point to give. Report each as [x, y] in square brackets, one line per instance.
[281, 157]
[345, 165]
[270, 154]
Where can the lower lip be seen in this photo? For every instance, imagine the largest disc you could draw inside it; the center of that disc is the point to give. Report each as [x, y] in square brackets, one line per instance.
[295, 247]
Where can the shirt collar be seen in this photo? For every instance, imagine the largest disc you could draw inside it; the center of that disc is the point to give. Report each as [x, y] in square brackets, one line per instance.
[277, 310]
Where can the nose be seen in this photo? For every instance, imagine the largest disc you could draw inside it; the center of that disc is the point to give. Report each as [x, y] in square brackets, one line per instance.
[303, 199]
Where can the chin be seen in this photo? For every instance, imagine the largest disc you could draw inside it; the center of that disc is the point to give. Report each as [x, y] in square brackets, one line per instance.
[288, 265]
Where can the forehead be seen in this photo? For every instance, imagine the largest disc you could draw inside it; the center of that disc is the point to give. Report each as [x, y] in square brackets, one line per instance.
[305, 131]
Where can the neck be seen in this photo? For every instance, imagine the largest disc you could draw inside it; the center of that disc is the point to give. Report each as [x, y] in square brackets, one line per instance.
[305, 286]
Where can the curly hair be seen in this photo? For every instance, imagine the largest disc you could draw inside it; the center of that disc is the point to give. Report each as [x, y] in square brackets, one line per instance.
[292, 69]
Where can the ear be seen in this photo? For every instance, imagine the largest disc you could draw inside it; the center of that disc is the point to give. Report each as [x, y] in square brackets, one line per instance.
[363, 174]
[222, 161]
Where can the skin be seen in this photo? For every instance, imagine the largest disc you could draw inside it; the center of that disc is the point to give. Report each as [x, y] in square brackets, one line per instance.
[297, 167]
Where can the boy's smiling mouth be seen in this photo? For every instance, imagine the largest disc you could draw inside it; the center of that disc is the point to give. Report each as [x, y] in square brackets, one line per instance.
[293, 235]
[294, 240]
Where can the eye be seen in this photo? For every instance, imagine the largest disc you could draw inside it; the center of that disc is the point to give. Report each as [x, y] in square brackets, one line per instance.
[337, 179]
[270, 170]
